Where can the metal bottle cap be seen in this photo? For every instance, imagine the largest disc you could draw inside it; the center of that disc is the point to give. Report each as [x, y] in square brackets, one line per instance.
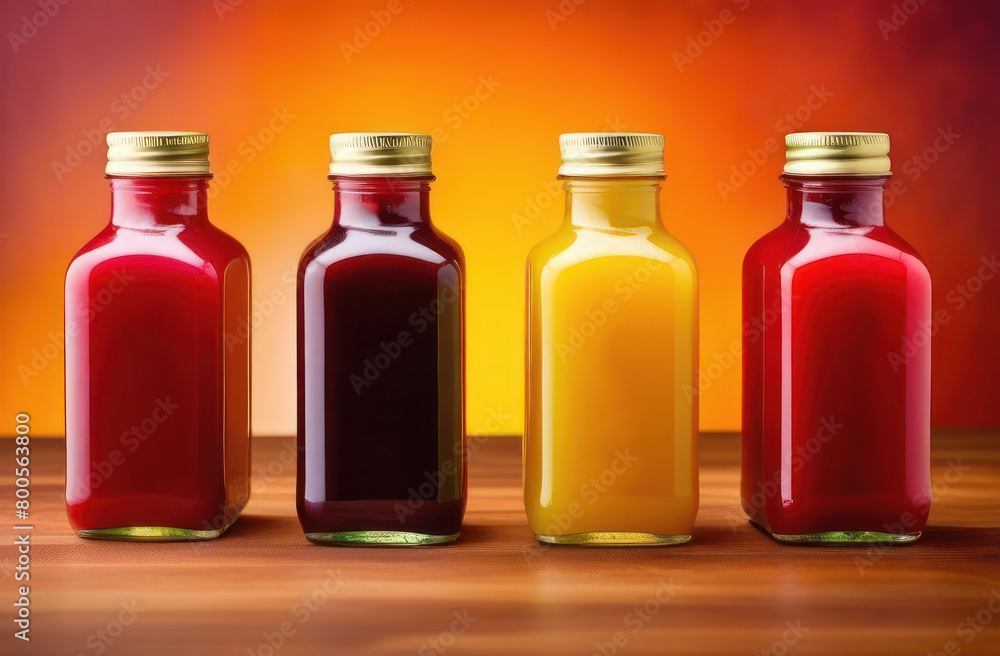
[837, 153]
[157, 153]
[380, 153]
[611, 154]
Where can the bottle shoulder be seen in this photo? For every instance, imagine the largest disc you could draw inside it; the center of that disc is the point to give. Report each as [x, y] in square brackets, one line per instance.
[776, 245]
[205, 249]
[422, 245]
[94, 244]
[793, 247]
[227, 244]
[440, 243]
[569, 246]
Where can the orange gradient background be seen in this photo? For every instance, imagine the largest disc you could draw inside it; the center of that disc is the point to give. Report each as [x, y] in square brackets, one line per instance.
[552, 67]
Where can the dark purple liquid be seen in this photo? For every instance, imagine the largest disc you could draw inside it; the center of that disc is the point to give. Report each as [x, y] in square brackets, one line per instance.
[381, 368]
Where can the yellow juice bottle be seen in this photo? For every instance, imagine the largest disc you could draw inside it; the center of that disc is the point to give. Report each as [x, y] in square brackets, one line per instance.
[610, 445]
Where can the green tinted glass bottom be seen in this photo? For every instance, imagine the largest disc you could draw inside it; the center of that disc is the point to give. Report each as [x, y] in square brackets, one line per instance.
[148, 534]
[848, 537]
[614, 539]
[375, 538]
[153, 533]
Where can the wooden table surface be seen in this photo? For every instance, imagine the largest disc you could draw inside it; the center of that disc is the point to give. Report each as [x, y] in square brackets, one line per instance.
[262, 589]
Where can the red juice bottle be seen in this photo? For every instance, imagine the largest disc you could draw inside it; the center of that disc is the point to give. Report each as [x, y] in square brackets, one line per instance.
[381, 356]
[836, 356]
[157, 354]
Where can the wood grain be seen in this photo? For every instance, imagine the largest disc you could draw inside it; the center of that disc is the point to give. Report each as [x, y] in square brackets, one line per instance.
[731, 590]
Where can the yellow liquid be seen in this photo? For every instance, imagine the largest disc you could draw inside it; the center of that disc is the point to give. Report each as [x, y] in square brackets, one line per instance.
[610, 452]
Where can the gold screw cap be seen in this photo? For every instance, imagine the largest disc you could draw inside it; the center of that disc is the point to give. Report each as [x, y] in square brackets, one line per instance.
[586, 154]
[837, 153]
[157, 154]
[380, 153]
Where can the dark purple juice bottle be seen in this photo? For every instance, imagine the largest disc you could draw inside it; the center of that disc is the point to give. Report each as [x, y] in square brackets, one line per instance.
[381, 358]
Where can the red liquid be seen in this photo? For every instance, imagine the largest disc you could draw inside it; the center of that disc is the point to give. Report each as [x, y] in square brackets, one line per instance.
[157, 366]
[836, 368]
[381, 367]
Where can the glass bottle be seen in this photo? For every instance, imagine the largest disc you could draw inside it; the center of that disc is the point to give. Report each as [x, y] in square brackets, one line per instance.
[157, 354]
[381, 355]
[610, 446]
[836, 368]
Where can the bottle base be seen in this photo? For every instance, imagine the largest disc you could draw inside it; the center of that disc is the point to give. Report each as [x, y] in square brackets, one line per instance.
[846, 537]
[614, 539]
[149, 534]
[153, 533]
[380, 538]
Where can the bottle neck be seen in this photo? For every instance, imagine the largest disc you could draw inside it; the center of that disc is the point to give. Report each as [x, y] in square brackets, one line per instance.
[835, 202]
[384, 203]
[621, 204]
[158, 202]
